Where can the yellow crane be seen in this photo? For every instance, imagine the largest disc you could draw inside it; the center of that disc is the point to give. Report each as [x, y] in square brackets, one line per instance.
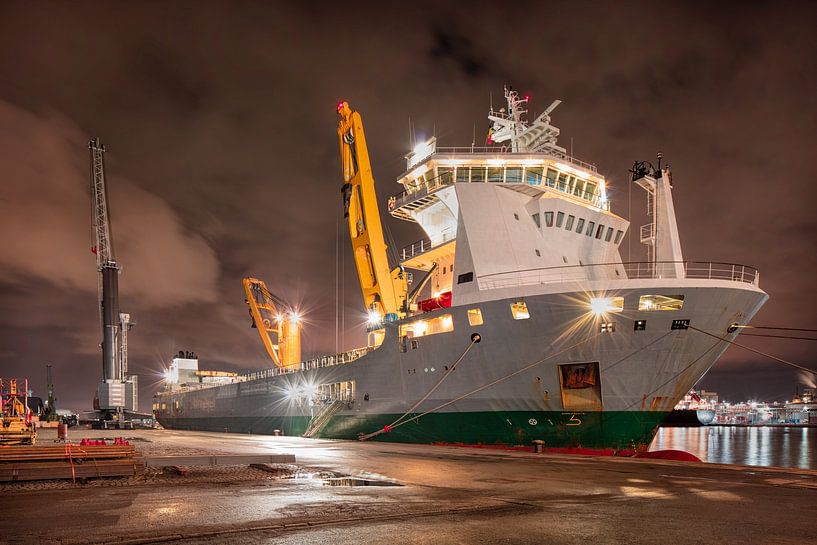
[384, 289]
[271, 316]
[16, 426]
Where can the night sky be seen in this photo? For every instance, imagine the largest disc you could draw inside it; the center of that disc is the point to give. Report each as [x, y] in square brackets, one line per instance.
[219, 120]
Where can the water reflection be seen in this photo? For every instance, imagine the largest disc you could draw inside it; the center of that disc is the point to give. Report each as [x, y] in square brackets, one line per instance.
[754, 446]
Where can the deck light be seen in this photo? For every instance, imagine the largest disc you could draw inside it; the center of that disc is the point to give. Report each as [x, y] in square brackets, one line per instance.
[603, 305]
[374, 317]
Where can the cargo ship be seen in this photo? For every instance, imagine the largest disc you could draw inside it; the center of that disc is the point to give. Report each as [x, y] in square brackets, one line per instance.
[513, 319]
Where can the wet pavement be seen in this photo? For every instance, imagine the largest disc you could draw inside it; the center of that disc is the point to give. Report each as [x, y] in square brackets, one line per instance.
[448, 495]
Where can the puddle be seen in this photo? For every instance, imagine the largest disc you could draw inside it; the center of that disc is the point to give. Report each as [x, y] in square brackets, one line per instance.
[333, 478]
[356, 481]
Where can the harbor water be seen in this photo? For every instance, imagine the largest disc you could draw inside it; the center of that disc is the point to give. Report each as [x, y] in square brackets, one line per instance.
[775, 446]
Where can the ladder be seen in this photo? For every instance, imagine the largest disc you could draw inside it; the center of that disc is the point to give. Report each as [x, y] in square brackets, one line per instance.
[322, 418]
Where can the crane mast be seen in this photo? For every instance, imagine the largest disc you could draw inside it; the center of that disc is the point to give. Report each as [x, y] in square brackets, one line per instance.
[116, 393]
[384, 289]
[106, 265]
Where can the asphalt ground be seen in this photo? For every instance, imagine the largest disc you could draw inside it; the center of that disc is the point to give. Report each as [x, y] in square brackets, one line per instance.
[446, 495]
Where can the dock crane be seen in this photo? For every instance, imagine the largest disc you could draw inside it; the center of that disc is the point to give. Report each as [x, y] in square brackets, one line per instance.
[384, 288]
[273, 317]
[116, 393]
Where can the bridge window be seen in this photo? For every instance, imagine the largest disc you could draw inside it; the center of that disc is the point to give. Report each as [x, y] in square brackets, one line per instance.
[660, 302]
[536, 219]
[513, 175]
[533, 175]
[580, 226]
[495, 174]
[609, 234]
[562, 183]
[578, 185]
[570, 220]
[475, 316]
[549, 219]
[560, 217]
[550, 178]
[445, 174]
[619, 234]
[463, 174]
[478, 174]
[590, 226]
[600, 231]
[590, 191]
[519, 310]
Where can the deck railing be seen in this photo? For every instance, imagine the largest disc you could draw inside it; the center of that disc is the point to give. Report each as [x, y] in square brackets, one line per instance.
[426, 244]
[704, 270]
[315, 363]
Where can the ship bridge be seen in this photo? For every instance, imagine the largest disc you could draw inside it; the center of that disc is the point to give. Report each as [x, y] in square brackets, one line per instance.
[521, 203]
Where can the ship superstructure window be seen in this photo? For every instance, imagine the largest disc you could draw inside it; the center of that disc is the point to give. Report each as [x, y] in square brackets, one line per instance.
[580, 226]
[561, 184]
[475, 316]
[445, 175]
[661, 302]
[550, 178]
[549, 219]
[516, 216]
[538, 253]
[600, 231]
[619, 234]
[513, 175]
[607, 327]
[560, 217]
[495, 174]
[465, 278]
[609, 234]
[570, 220]
[640, 325]
[431, 326]
[536, 219]
[463, 174]
[590, 226]
[590, 191]
[519, 310]
[477, 174]
[533, 175]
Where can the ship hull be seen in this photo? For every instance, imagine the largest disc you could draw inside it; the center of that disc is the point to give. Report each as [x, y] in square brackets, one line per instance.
[511, 388]
[618, 429]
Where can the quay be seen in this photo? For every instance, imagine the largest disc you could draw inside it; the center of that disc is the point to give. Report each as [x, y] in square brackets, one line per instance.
[441, 494]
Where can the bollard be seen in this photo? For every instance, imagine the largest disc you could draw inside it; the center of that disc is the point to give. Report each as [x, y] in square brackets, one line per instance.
[276, 432]
[538, 446]
[62, 432]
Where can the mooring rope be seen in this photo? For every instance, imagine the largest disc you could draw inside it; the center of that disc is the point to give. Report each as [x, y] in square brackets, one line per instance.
[775, 358]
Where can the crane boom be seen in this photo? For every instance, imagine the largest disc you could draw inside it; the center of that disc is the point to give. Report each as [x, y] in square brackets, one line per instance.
[271, 320]
[384, 289]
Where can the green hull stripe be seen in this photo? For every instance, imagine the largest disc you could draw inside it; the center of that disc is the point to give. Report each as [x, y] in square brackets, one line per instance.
[608, 429]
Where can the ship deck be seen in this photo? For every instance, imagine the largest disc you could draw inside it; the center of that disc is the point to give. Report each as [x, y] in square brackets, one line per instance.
[449, 494]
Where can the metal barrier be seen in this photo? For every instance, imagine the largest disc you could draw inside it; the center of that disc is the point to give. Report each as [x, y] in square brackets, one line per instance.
[704, 270]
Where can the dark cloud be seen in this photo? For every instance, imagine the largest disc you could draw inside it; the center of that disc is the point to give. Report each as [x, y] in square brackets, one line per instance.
[220, 125]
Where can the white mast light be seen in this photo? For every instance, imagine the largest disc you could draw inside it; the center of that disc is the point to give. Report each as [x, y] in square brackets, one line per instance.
[421, 151]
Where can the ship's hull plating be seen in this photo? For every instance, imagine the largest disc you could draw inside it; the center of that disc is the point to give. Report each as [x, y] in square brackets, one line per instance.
[508, 389]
